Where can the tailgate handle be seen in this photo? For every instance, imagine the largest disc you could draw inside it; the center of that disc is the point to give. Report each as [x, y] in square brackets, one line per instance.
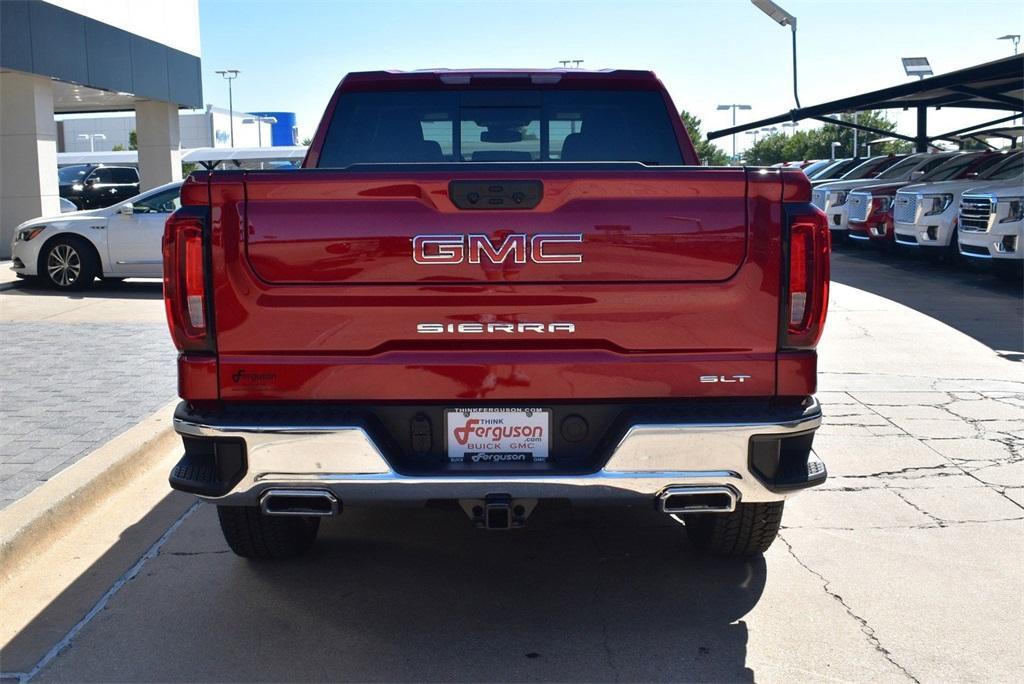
[496, 194]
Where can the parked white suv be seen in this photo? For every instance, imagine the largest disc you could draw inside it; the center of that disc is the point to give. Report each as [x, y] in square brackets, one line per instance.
[992, 225]
[925, 214]
[911, 167]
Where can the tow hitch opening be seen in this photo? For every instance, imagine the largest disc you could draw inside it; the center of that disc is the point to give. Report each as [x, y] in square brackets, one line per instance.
[498, 511]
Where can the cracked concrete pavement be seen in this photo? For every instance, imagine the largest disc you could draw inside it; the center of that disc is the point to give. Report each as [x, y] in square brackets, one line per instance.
[904, 566]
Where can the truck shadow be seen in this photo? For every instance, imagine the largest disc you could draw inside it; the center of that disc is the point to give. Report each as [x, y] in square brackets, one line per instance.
[418, 595]
[974, 302]
[135, 288]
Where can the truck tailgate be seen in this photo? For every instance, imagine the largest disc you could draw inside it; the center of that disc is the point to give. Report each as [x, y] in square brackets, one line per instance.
[318, 296]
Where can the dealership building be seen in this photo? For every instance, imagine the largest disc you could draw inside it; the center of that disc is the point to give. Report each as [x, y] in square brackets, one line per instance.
[77, 56]
[210, 127]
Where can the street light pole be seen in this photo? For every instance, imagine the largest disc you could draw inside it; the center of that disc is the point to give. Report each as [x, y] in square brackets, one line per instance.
[92, 138]
[1014, 37]
[259, 121]
[733, 107]
[783, 18]
[230, 75]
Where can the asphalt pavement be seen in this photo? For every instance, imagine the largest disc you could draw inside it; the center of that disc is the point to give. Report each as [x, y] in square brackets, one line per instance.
[904, 566]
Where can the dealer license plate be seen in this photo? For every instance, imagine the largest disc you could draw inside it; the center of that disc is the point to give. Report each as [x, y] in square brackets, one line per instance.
[499, 435]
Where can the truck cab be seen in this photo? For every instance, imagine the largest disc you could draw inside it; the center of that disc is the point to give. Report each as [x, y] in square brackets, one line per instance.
[497, 290]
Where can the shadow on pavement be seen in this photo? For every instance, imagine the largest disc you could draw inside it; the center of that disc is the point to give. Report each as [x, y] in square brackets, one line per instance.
[974, 302]
[135, 288]
[418, 595]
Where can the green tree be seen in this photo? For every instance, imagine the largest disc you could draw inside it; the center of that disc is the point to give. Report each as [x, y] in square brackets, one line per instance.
[306, 142]
[133, 140]
[117, 148]
[816, 143]
[709, 153]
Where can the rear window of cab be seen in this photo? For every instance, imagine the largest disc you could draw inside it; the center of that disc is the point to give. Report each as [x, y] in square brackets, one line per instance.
[500, 126]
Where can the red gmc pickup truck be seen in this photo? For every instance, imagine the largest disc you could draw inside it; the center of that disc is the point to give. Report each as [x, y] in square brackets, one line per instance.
[497, 289]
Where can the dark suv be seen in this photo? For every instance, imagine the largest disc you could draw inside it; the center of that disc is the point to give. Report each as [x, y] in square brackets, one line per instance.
[94, 186]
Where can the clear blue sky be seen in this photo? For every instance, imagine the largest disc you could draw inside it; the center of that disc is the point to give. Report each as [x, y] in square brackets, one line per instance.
[293, 53]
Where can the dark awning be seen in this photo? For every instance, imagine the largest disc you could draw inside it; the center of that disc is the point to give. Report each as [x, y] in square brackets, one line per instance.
[995, 85]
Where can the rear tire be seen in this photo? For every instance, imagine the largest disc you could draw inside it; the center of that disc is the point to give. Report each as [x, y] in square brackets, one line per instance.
[250, 534]
[747, 531]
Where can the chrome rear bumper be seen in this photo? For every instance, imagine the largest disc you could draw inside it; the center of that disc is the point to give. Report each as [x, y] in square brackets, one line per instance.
[647, 460]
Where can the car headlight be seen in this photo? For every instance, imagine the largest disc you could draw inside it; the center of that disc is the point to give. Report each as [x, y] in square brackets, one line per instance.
[78, 187]
[26, 234]
[1012, 206]
[882, 203]
[839, 198]
[936, 204]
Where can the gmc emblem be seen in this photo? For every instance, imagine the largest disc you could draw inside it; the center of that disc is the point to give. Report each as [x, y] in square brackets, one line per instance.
[517, 248]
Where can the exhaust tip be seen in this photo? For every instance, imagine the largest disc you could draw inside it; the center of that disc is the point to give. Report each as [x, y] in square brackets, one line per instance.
[675, 500]
[317, 502]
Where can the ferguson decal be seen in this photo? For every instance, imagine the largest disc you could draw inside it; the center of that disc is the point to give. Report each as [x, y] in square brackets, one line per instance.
[517, 248]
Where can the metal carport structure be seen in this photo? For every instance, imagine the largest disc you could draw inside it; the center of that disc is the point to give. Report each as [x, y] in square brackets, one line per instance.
[997, 85]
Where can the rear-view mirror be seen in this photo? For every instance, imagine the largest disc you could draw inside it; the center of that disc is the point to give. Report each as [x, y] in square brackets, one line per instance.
[127, 209]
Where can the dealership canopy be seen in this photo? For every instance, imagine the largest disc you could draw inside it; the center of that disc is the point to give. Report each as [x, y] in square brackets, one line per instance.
[995, 85]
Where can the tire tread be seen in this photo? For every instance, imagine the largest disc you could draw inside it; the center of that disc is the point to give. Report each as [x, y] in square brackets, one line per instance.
[250, 534]
[747, 531]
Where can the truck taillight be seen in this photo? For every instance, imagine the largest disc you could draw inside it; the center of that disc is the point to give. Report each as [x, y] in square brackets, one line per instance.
[185, 294]
[806, 294]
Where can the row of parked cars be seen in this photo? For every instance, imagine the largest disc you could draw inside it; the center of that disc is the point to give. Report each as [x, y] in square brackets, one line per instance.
[945, 205]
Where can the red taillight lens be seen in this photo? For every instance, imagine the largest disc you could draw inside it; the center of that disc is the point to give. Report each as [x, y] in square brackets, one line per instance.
[185, 297]
[806, 296]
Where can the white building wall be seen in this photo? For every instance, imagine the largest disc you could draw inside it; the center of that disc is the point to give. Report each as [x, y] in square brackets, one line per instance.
[197, 130]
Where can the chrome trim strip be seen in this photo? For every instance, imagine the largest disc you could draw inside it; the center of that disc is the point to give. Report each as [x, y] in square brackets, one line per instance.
[138, 262]
[854, 236]
[907, 243]
[649, 458]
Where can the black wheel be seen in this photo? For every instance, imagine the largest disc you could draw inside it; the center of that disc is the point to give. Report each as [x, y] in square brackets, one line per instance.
[250, 534]
[747, 531]
[69, 263]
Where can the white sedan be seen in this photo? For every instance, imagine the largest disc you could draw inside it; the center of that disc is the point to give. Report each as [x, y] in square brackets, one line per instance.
[120, 241]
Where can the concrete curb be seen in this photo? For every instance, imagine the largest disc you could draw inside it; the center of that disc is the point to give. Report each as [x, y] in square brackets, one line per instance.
[44, 514]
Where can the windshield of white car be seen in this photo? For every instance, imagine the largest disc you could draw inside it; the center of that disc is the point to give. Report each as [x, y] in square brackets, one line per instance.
[901, 169]
[834, 169]
[867, 169]
[72, 174]
[1011, 168]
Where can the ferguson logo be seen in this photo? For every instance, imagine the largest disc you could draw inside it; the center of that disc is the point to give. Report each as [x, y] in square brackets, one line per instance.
[493, 328]
[496, 432]
[518, 248]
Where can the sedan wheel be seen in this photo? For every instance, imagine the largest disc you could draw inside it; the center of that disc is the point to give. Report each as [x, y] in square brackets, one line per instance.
[70, 265]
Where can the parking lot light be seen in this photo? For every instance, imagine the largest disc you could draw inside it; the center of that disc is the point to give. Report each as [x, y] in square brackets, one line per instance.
[1015, 37]
[784, 18]
[92, 138]
[833, 146]
[917, 66]
[230, 75]
[734, 107]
